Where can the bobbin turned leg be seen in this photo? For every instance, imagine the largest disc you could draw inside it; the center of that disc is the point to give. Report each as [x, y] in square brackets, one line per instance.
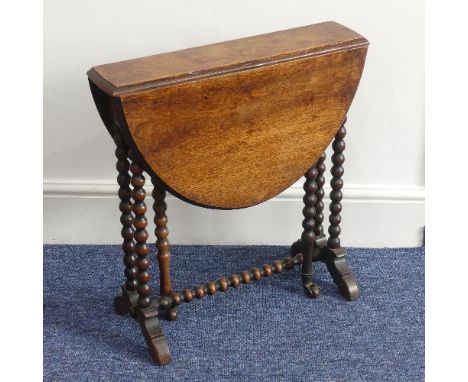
[333, 254]
[127, 300]
[146, 314]
[162, 244]
[320, 238]
[308, 235]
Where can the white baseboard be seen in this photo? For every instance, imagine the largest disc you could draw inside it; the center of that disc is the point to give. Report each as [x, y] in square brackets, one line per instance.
[373, 216]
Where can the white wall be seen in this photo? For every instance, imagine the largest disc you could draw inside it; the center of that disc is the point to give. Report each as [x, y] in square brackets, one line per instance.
[384, 176]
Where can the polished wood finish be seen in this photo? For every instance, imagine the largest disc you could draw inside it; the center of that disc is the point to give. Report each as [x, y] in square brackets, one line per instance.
[210, 139]
[201, 62]
[228, 126]
[214, 150]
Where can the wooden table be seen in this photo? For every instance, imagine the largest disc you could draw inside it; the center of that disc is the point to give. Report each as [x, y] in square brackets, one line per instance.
[228, 126]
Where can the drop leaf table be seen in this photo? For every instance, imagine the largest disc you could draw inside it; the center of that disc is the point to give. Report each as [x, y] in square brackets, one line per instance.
[228, 126]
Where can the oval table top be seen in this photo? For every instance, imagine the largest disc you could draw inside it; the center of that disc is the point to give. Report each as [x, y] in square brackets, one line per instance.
[231, 125]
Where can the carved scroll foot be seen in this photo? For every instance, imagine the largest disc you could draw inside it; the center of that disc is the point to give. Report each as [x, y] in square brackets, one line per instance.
[335, 261]
[126, 302]
[154, 336]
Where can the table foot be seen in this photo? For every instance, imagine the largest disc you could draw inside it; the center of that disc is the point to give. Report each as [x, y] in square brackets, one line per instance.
[148, 320]
[312, 290]
[335, 261]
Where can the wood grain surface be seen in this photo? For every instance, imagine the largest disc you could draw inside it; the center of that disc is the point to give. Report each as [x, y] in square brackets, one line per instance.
[188, 64]
[237, 137]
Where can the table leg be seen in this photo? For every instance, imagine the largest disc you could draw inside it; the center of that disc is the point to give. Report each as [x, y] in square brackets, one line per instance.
[333, 253]
[146, 314]
[320, 237]
[126, 302]
[308, 235]
[162, 244]
[329, 251]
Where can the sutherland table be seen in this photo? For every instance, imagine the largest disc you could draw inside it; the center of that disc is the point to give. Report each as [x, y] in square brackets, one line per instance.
[228, 126]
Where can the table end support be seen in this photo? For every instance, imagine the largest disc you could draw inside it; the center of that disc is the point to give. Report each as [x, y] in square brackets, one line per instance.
[333, 255]
[314, 244]
[148, 320]
[335, 260]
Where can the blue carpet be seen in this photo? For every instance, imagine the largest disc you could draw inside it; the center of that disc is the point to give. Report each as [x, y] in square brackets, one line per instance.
[267, 331]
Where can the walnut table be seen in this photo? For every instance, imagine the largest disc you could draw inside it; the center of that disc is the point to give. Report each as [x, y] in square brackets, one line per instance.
[228, 126]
